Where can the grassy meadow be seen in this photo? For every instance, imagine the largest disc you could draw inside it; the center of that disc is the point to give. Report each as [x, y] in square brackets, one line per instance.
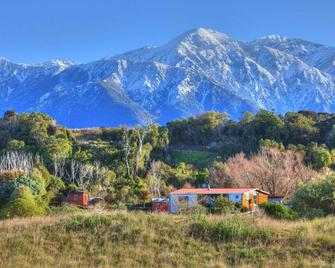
[133, 239]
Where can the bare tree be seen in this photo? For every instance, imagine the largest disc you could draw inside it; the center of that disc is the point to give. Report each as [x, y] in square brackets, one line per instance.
[154, 177]
[16, 161]
[126, 148]
[141, 133]
[79, 173]
[276, 171]
[59, 167]
[71, 173]
[85, 175]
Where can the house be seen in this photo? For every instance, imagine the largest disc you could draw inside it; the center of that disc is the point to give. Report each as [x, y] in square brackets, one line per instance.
[78, 198]
[247, 197]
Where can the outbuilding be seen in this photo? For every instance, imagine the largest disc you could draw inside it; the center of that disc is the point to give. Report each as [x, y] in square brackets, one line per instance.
[247, 197]
[159, 205]
[78, 198]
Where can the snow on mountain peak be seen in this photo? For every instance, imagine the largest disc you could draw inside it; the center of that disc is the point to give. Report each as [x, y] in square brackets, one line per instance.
[2, 59]
[56, 65]
[197, 71]
[274, 38]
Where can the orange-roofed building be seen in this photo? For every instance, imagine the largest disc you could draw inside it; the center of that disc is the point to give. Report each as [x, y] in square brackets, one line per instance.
[247, 197]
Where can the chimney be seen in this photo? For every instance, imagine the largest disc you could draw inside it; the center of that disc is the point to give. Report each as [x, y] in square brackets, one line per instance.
[208, 186]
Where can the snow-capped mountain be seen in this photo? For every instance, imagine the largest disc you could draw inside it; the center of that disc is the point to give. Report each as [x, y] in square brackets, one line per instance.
[198, 71]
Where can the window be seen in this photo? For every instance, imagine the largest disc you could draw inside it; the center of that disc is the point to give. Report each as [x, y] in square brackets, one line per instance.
[183, 199]
[75, 197]
[183, 202]
[237, 196]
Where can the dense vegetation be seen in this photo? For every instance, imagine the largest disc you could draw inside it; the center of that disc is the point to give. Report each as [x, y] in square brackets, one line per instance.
[291, 156]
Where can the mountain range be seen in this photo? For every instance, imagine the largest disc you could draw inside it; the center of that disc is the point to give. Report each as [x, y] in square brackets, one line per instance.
[198, 71]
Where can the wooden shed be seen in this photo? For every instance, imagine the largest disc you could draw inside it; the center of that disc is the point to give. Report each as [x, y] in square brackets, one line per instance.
[160, 205]
[78, 198]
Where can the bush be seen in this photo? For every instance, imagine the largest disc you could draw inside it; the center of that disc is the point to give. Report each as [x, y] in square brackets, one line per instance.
[21, 204]
[316, 199]
[278, 211]
[222, 205]
[193, 211]
[229, 230]
[7, 189]
[197, 158]
[9, 176]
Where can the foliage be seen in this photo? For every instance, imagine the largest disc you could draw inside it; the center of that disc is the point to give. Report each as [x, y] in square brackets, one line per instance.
[278, 211]
[21, 204]
[197, 158]
[7, 189]
[192, 211]
[56, 148]
[316, 199]
[196, 131]
[267, 143]
[222, 205]
[300, 129]
[266, 150]
[15, 145]
[319, 156]
[7, 176]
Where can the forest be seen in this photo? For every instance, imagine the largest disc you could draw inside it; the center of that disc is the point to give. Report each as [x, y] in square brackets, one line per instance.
[291, 155]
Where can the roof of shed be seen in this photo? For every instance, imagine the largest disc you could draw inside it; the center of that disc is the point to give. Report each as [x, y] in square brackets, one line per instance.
[77, 191]
[214, 191]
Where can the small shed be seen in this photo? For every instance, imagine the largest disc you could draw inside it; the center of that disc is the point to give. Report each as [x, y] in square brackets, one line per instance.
[78, 198]
[160, 205]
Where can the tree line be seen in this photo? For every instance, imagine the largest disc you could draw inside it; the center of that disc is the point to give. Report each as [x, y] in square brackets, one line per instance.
[40, 160]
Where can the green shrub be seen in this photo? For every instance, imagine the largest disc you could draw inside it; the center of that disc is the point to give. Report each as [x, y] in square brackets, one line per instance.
[7, 176]
[197, 158]
[193, 211]
[65, 210]
[279, 211]
[222, 205]
[21, 204]
[7, 189]
[316, 199]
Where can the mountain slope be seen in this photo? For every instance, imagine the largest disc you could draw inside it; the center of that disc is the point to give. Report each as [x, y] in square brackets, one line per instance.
[198, 71]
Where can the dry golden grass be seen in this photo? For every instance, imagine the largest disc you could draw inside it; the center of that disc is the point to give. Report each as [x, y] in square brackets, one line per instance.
[122, 239]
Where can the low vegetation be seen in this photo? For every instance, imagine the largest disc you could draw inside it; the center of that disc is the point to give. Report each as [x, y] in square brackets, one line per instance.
[279, 211]
[123, 239]
[196, 158]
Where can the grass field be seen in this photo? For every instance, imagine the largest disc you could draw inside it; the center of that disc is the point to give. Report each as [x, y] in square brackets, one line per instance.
[197, 158]
[123, 239]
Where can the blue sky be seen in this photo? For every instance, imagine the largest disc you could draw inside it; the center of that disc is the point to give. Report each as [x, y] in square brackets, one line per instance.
[84, 30]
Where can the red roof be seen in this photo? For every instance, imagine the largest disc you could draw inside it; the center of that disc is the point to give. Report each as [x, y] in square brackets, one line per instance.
[213, 191]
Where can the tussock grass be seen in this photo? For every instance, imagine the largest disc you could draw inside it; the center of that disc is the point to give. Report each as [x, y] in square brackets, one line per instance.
[122, 239]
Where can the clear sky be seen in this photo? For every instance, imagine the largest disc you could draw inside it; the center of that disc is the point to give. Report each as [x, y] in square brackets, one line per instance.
[33, 31]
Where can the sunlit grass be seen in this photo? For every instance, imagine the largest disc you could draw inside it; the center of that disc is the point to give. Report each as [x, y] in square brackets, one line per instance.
[122, 239]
